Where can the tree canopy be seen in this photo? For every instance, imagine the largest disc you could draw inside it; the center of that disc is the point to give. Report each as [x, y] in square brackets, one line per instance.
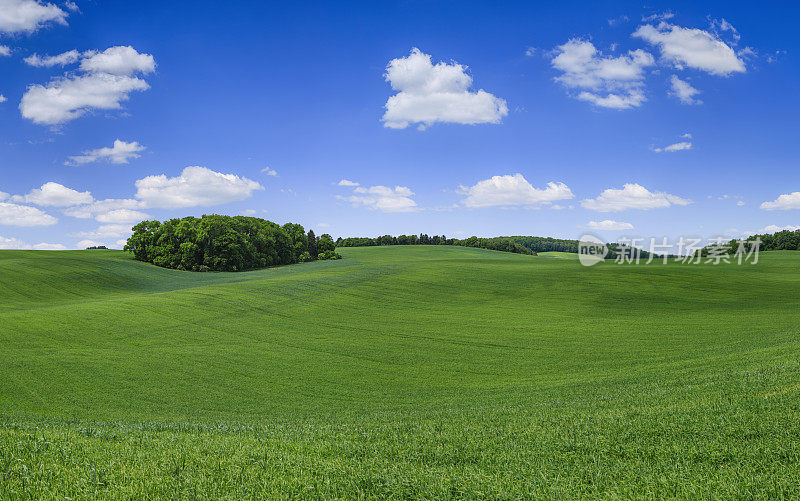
[224, 243]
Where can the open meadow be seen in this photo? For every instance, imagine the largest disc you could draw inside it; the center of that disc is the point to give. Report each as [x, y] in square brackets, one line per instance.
[399, 371]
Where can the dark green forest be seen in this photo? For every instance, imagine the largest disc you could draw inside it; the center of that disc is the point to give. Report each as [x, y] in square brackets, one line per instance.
[226, 243]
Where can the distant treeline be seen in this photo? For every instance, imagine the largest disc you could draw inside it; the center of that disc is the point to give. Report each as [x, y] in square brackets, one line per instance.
[781, 240]
[515, 244]
[504, 244]
[226, 243]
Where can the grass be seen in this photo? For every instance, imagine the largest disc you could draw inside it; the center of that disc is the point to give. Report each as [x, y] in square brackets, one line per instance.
[405, 372]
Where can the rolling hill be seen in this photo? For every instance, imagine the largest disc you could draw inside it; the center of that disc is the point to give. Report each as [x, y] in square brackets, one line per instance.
[405, 371]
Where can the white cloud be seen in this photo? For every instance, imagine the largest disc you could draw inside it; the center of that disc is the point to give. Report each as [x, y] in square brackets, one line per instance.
[346, 182]
[23, 215]
[119, 216]
[609, 225]
[683, 90]
[740, 203]
[686, 135]
[681, 146]
[428, 93]
[511, 190]
[54, 195]
[608, 82]
[46, 246]
[100, 207]
[83, 244]
[5, 51]
[62, 59]
[108, 79]
[106, 231]
[27, 16]
[774, 228]
[13, 243]
[659, 16]
[120, 153]
[248, 212]
[784, 202]
[120, 60]
[3, 98]
[323, 225]
[692, 48]
[196, 186]
[530, 51]
[71, 6]
[382, 198]
[632, 196]
[269, 172]
[722, 26]
[617, 20]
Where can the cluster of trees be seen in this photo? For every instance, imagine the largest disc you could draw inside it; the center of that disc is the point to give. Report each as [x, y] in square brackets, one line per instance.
[97, 247]
[781, 240]
[226, 243]
[505, 244]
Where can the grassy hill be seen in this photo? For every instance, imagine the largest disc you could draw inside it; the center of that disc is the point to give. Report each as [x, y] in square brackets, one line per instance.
[406, 371]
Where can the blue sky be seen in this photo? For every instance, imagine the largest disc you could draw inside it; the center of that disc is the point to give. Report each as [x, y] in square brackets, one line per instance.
[550, 119]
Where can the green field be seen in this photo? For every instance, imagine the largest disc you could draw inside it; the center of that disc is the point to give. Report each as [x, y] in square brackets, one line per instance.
[401, 371]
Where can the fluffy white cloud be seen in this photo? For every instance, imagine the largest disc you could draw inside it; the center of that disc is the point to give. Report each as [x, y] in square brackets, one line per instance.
[13, 243]
[692, 48]
[683, 90]
[62, 59]
[120, 60]
[120, 153]
[27, 16]
[23, 215]
[784, 202]
[269, 172]
[609, 225]
[382, 198]
[608, 82]
[5, 51]
[632, 196]
[68, 98]
[196, 186]
[101, 207]
[3, 98]
[428, 93]
[108, 79]
[106, 231]
[54, 195]
[120, 216]
[773, 228]
[671, 148]
[512, 190]
[347, 182]
[83, 244]
[46, 246]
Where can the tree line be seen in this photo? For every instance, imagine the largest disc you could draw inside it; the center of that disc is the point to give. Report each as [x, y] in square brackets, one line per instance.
[226, 243]
[504, 244]
[781, 240]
